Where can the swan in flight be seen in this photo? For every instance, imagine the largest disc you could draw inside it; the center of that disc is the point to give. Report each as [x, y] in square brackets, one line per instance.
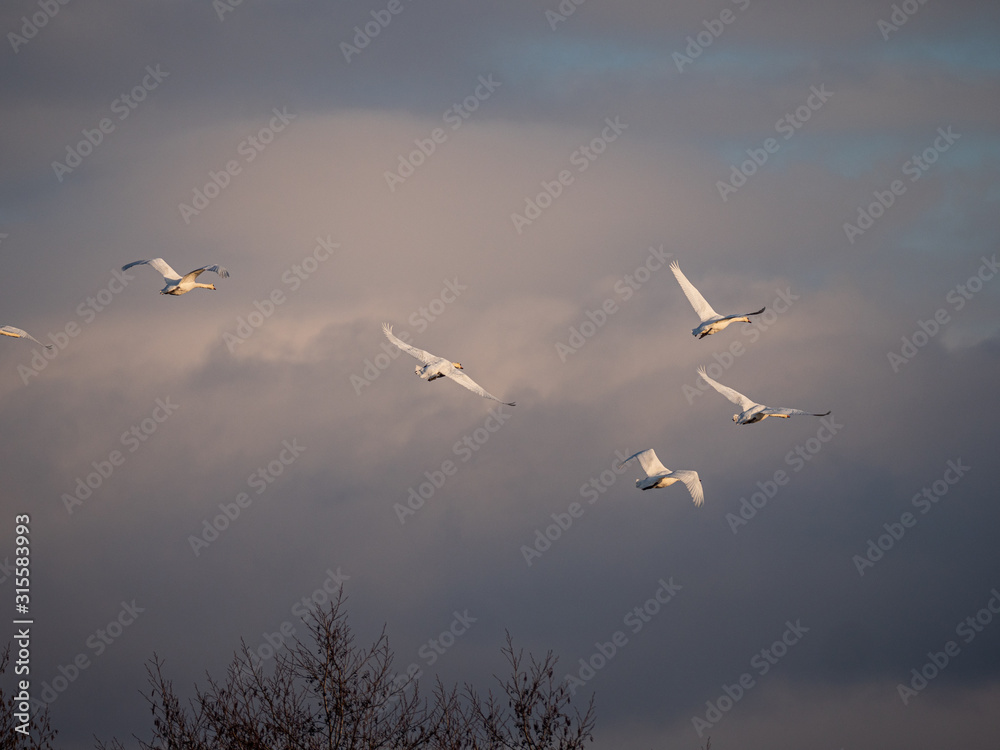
[19, 334]
[438, 367]
[753, 412]
[177, 284]
[711, 321]
[658, 475]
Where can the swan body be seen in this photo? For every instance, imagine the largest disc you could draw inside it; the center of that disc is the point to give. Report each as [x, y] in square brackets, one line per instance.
[752, 411]
[438, 367]
[658, 475]
[177, 284]
[17, 333]
[711, 321]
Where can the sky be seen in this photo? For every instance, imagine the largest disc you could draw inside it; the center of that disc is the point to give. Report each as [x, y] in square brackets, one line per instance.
[505, 184]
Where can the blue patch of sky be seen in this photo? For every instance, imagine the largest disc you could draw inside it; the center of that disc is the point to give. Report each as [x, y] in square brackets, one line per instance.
[559, 57]
[564, 56]
[965, 54]
[757, 63]
[855, 156]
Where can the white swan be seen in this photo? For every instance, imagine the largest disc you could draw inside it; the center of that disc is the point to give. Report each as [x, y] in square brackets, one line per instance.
[658, 475]
[438, 367]
[19, 334]
[711, 321]
[752, 411]
[177, 284]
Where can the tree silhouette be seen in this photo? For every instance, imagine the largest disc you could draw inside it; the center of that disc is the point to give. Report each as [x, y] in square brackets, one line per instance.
[326, 692]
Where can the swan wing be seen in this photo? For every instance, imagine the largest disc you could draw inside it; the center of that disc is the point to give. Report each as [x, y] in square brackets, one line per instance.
[743, 315]
[160, 265]
[736, 397]
[704, 310]
[420, 354]
[462, 379]
[780, 411]
[198, 271]
[20, 334]
[693, 482]
[649, 462]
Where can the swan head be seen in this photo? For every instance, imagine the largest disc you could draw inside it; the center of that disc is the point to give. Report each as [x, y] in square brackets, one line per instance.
[212, 287]
[458, 365]
[736, 417]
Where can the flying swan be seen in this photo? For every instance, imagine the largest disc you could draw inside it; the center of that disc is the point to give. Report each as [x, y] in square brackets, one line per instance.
[177, 284]
[438, 367]
[658, 475]
[711, 321]
[753, 412]
[19, 334]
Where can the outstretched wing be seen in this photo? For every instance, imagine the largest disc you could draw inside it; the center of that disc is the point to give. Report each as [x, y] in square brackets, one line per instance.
[744, 315]
[160, 265]
[780, 411]
[425, 357]
[737, 398]
[462, 379]
[198, 271]
[649, 462]
[19, 334]
[693, 482]
[704, 310]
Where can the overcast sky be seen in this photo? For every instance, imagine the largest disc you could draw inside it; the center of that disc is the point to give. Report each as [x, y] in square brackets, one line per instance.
[505, 185]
